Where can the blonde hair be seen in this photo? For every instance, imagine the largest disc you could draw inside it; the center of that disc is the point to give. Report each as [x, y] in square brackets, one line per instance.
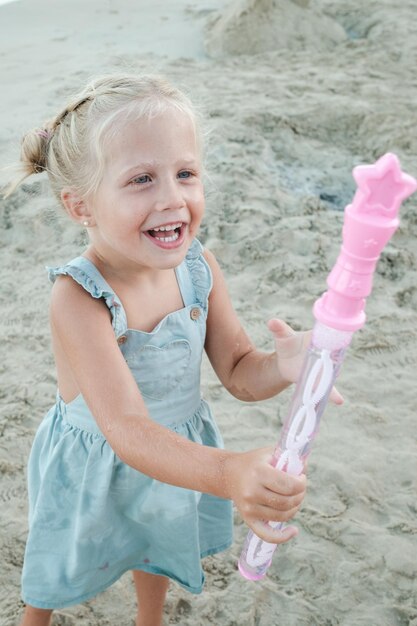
[71, 146]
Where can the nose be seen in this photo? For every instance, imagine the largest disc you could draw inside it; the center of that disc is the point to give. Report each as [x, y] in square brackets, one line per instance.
[170, 195]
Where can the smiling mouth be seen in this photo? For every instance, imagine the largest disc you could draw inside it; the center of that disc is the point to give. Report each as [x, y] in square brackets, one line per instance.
[168, 233]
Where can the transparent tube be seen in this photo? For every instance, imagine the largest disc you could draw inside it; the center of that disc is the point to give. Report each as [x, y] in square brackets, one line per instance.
[320, 369]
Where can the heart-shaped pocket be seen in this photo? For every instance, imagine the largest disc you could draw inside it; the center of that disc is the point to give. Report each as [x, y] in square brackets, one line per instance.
[158, 370]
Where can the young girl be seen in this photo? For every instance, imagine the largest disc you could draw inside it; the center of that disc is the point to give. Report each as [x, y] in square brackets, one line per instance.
[127, 470]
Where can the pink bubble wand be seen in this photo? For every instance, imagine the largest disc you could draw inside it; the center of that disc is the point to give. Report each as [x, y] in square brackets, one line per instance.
[369, 223]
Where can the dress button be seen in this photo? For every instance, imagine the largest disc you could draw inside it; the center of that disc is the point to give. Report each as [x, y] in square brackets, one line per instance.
[121, 339]
[195, 313]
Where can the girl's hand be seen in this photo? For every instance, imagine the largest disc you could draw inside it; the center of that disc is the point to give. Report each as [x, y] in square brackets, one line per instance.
[262, 493]
[290, 348]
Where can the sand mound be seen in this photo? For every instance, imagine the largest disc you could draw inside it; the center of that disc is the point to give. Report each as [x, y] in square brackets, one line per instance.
[254, 26]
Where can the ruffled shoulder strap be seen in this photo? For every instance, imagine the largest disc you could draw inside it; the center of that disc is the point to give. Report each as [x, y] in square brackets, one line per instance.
[85, 273]
[195, 276]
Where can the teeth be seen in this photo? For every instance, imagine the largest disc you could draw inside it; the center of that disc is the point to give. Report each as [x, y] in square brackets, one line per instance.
[174, 237]
[170, 227]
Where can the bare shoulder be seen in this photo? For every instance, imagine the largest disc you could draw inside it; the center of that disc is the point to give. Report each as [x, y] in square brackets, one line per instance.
[70, 302]
[86, 337]
[219, 296]
[214, 266]
[81, 324]
[210, 258]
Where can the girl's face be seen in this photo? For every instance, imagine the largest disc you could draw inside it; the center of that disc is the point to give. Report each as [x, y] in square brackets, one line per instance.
[150, 202]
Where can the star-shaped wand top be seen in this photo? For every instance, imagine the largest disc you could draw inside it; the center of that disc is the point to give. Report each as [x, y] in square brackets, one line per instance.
[382, 187]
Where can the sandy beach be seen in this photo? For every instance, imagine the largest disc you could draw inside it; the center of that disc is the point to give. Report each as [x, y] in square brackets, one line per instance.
[295, 94]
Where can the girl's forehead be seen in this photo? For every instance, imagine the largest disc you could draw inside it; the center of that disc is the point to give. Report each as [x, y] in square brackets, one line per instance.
[158, 124]
[170, 134]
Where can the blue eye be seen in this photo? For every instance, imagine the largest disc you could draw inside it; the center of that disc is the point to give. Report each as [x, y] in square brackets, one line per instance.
[185, 174]
[140, 180]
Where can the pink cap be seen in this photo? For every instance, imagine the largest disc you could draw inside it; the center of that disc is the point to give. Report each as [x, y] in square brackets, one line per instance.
[370, 221]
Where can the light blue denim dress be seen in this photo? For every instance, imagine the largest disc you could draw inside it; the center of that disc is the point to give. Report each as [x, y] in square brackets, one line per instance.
[92, 517]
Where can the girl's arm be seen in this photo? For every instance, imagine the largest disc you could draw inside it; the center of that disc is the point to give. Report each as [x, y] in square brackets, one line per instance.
[83, 327]
[246, 372]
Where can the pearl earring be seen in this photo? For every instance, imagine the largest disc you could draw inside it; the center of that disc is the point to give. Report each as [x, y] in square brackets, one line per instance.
[86, 223]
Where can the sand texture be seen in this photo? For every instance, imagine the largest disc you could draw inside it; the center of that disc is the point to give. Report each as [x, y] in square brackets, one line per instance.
[295, 94]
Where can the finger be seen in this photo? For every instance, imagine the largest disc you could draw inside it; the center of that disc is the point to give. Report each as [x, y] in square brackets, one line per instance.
[280, 328]
[289, 342]
[284, 484]
[273, 515]
[280, 503]
[335, 396]
[270, 508]
[274, 535]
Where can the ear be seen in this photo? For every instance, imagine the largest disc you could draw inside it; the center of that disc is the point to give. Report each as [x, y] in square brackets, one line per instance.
[76, 206]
